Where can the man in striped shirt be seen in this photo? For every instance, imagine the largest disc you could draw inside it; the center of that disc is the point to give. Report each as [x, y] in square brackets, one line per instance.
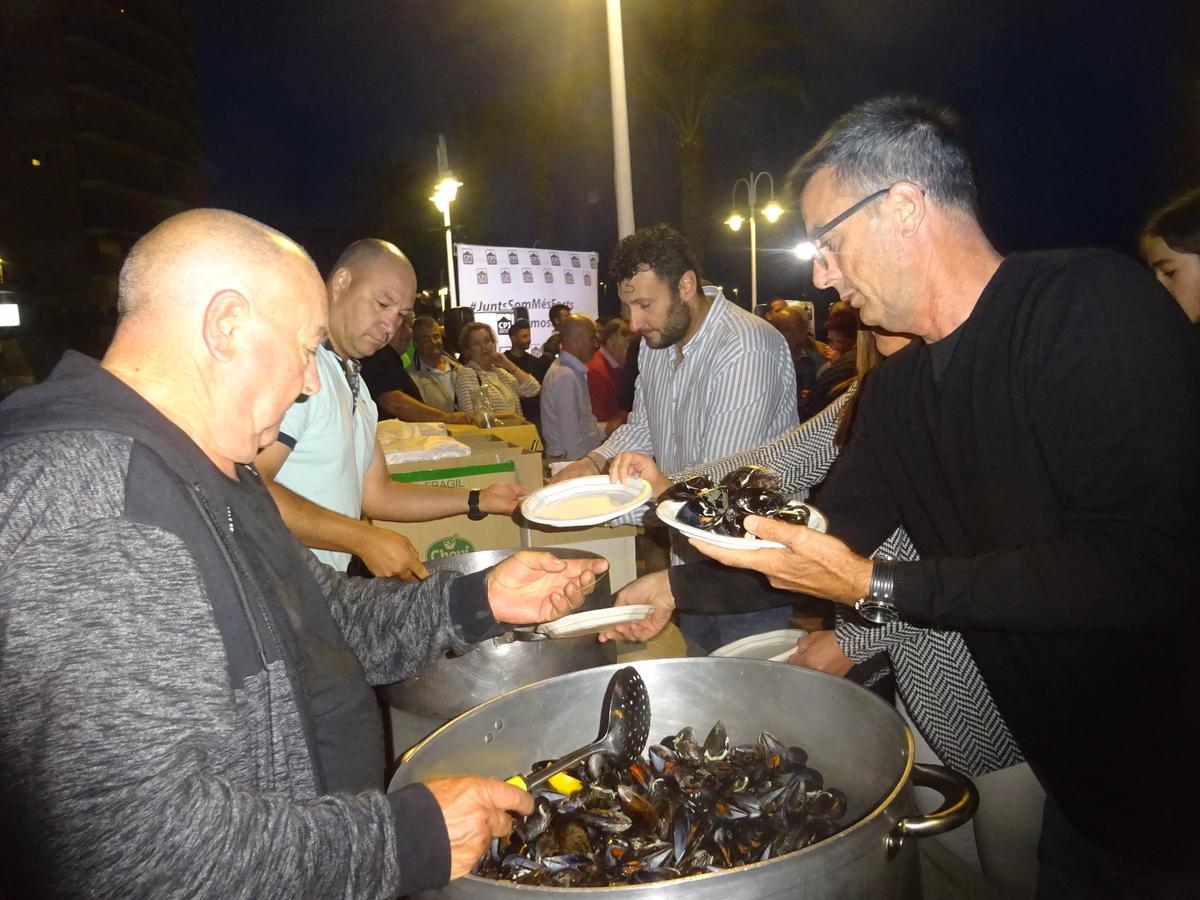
[714, 379]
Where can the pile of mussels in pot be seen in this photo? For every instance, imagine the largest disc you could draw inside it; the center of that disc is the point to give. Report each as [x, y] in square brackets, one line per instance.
[722, 508]
[684, 808]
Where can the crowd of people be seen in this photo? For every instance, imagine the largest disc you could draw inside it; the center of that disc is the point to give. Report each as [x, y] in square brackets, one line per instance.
[187, 649]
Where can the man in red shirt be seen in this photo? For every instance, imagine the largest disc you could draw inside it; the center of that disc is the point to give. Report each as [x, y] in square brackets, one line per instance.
[604, 374]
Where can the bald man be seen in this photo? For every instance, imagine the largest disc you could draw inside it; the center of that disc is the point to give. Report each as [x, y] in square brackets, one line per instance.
[568, 425]
[327, 469]
[185, 706]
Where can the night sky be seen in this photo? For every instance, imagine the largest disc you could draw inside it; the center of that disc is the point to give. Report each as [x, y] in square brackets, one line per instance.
[322, 118]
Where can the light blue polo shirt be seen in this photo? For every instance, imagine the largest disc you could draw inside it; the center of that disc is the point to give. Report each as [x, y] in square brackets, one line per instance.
[333, 442]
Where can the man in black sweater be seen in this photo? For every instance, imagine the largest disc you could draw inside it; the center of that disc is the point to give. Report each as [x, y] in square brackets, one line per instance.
[1050, 485]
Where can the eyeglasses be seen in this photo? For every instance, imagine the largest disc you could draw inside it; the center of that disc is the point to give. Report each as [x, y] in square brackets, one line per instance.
[808, 249]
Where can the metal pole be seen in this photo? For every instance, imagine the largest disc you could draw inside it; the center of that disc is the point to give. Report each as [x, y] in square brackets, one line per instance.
[622, 170]
[452, 299]
[753, 262]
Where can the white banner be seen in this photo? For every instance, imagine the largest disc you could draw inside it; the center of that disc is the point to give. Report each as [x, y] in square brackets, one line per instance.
[495, 280]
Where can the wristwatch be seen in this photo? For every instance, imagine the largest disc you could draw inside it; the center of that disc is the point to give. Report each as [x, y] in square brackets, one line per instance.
[473, 511]
[877, 606]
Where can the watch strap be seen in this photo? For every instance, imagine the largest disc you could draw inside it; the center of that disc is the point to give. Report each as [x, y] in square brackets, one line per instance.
[473, 511]
[878, 606]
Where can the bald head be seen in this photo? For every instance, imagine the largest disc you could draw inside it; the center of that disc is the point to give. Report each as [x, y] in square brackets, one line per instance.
[363, 254]
[181, 258]
[578, 336]
[793, 324]
[372, 290]
[220, 318]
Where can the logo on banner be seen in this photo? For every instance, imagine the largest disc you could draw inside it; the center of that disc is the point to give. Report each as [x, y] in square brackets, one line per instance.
[593, 261]
[554, 259]
[575, 261]
[491, 257]
[506, 277]
[512, 257]
[504, 325]
[569, 277]
[481, 276]
[549, 276]
[468, 258]
[534, 259]
[527, 276]
[587, 278]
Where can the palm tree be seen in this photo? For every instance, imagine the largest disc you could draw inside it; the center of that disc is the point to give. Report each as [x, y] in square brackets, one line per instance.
[691, 60]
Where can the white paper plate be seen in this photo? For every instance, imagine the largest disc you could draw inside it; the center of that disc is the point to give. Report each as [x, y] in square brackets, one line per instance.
[668, 511]
[594, 621]
[584, 501]
[775, 646]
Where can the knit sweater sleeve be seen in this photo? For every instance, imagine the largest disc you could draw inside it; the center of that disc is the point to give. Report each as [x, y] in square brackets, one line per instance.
[127, 771]
[396, 628]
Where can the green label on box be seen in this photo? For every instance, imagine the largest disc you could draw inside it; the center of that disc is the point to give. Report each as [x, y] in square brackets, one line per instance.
[496, 468]
[453, 545]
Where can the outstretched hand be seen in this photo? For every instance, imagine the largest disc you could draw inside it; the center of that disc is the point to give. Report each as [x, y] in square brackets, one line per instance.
[531, 587]
[820, 650]
[638, 465]
[810, 563]
[654, 589]
[501, 499]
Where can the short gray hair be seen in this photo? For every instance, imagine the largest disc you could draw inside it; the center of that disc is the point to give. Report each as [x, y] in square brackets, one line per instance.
[894, 139]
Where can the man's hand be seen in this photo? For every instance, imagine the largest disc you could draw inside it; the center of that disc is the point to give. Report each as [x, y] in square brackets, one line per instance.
[390, 554]
[502, 499]
[476, 810]
[819, 650]
[654, 589]
[458, 418]
[812, 563]
[637, 465]
[577, 469]
[530, 587]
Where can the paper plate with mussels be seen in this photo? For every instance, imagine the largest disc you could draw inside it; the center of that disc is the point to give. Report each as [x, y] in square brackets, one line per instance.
[716, 511]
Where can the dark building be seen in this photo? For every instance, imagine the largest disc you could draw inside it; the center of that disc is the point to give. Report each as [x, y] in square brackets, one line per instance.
[100, 143]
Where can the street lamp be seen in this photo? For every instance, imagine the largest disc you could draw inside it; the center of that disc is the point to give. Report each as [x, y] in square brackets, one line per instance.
[771, 212]
[443, 195]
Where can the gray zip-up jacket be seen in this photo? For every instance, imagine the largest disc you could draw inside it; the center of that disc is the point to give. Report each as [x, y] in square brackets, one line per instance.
[155, 735]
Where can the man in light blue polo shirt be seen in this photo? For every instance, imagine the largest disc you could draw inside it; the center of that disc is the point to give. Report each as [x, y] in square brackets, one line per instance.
[327, 469]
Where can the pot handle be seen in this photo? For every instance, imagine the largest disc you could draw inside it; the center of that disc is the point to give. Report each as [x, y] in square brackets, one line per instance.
[960, 800]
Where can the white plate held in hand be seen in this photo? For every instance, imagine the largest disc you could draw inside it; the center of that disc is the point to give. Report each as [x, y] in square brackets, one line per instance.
[584, 501]
[668, 511]
[596, 620]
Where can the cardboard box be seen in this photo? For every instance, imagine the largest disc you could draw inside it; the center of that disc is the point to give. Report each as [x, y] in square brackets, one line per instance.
[614, 544]
[458, 534]
[523, 436]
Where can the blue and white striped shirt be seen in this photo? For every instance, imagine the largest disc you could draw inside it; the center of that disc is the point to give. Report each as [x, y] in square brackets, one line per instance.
[732, 388]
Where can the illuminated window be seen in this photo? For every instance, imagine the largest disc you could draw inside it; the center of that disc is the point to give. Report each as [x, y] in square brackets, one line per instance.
[35, 162]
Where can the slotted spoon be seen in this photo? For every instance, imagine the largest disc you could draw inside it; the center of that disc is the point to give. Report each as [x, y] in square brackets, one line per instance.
[625, 721]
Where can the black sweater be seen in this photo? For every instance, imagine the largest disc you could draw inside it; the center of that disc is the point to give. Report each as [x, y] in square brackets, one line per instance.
[1050, 480]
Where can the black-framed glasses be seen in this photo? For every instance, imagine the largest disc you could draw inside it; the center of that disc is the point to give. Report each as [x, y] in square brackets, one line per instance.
[807, 249]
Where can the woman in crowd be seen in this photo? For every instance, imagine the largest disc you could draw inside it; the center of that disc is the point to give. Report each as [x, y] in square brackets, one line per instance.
[836, 375]
[489, 373]
[1171, 246]
[936, 676]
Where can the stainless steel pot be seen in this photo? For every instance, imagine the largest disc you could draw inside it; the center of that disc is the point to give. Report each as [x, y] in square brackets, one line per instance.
[454, 684]
[855, 739]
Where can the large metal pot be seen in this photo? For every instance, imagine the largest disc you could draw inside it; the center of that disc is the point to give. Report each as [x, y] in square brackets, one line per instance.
[854, 738]
[454, 684]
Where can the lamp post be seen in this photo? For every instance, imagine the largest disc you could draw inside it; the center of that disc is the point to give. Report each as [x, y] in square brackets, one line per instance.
[771, 212]
[443, 195]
